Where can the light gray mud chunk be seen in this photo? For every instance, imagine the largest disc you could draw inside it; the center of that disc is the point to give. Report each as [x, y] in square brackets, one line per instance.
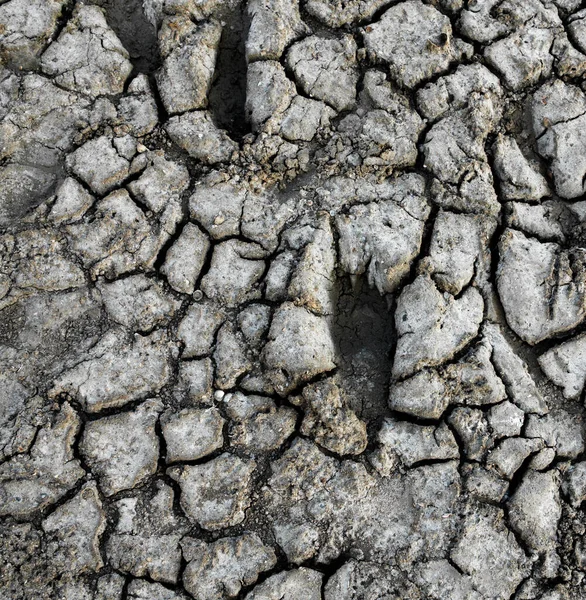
[435, 490]
[98, 163]
[441, 580]
[231, 357]
[269, 93]
[559, 124]
[505, 419]
[335, 13]
[484, 484]
[161, 184]
[185, 78]
[381, 138]
[33, 261]
[313, 282]
[145, 539]
[574, 485]
[577, 29]
[535, 509]
[326, 69]
[137, 110]
[18, 426]
[542, 459]
[383, 238]
[473, 380]
[185, 259]
[116, 373]
[257, 424]
[26, 27]
[432, 327]
[195, 380]
[215, 494]
[137, 302]
[109, 587]
[291, 483]
[273, 26]
[544, 221]
[304, 117]
[296, 584]
[357, 579]
[556, 102]
[300, 347]
[29, 482]
[198, 328]
[453, 92]
[456, 244]
[424, 395]
[519, 179]
[234, 272]
[196, 133]
[46, 315]
[22, 189]
[509, 456]
[310, 493]
[416, 41]
[123, 449]
[72, 201]
[217, 207]
[541, 286]
[488, 552]
[329, 421]
[88, 57]
[192, 433]
[479, 22]
[413, 444]
[74, 532]
[219, 570]
[523, 58]
[139, 589]
[565, 365]
[119, 237]
[513, 370]
[264, 217]
[254, 322]
[561, 430]
[454, 151]
[278, 275]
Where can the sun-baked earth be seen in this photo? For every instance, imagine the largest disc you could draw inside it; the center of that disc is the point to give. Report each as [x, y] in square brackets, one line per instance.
[292, 300]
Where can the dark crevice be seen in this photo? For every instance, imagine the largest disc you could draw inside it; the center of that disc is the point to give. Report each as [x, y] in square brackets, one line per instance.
[161, 257]
[413, 419]
[517, 479]
[459, 441]
[137, 34]
[365, 338]
[428, 462]
[227, 95]
[62, 21]
[124, 593]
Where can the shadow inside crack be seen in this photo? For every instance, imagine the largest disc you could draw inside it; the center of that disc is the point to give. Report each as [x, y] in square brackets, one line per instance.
[137, 34]
[227, 96]
[365, 337]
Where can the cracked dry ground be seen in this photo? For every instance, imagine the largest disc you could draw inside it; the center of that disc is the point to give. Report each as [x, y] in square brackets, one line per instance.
[292, 300]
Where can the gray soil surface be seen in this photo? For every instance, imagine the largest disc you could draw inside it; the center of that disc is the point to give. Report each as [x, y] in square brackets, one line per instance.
[292, 300]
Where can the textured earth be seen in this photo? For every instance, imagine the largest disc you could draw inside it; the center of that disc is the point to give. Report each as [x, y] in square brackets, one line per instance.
[292, 300]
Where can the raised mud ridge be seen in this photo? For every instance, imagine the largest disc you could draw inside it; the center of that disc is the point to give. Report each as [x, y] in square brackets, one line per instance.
[292, 300]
